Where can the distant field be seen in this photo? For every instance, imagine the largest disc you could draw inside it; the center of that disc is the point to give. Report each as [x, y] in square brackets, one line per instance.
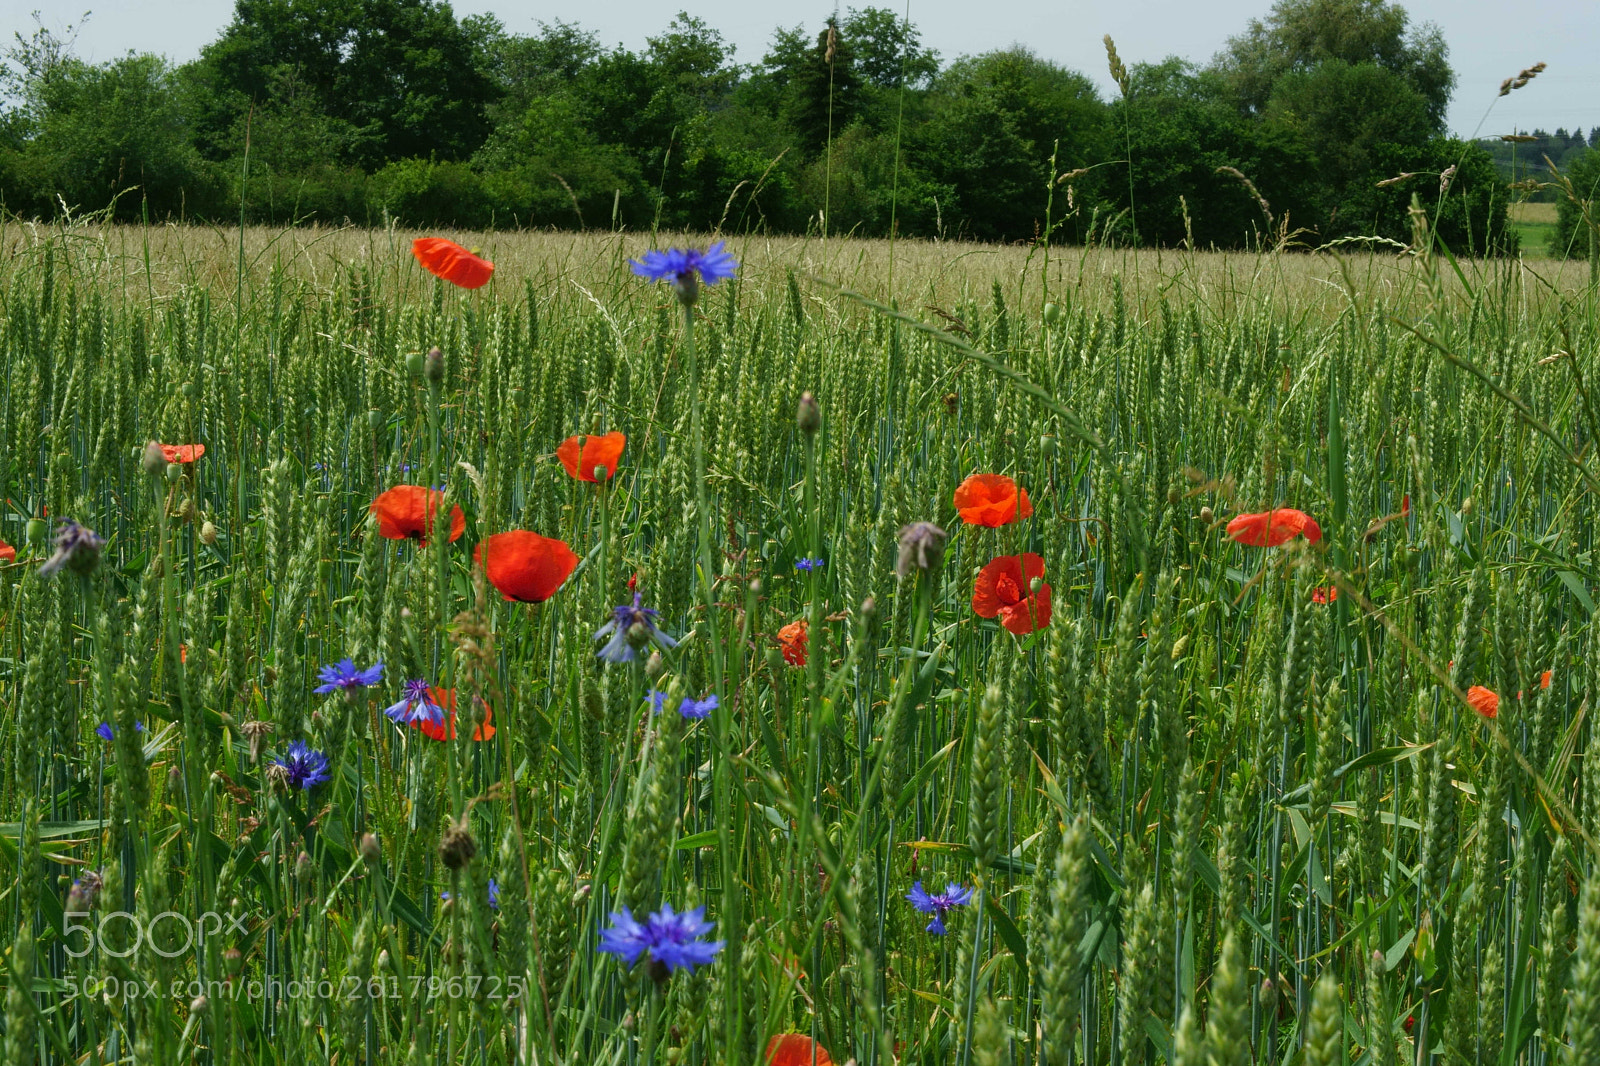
[1534, 223]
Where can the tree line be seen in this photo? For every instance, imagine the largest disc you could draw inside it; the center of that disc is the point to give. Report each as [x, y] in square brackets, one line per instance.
[371, 110]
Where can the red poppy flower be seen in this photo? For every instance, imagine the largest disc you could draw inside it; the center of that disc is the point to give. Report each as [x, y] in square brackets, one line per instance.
[445, 698]
[448, 260]
[1405, 504]
[1271, 528]
[525, 566]
[1324, 593]
[1484, 701]
[408, 510]
[796, 1049]
[1544, 679]
[1003, 588]
[991, 500]
[7, 553]
[794, 638]
[182, 453]
[580, 455]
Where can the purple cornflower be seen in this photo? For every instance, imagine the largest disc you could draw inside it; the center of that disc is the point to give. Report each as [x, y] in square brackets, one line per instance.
[77, 549]
[672, 940]
[685, 268]
[305, 767]
[108, 732]
[630, 628]
[416, 705]
[938, 905]
[344, 675]
[809, 564]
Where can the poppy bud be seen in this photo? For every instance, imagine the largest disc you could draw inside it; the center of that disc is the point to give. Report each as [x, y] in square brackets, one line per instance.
[369, 847]
[198, 1005]
[1174, 497]
[654, 666]
[270, 676]
[1466, 507]
[174, 472]
[1052, 314]
[186, 509]
[456, 847]
[869, 610]
[433, 365]
[208, 533]
[153, 459]
[385, 964]
[1206, 515]
[303, 868]
[233, 959]
[808, 416]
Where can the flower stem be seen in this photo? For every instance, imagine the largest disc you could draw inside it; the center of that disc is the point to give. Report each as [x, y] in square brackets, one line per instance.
[720, 720]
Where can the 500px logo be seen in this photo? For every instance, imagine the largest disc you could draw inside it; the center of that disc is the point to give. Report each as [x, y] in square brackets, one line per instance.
[195, 932]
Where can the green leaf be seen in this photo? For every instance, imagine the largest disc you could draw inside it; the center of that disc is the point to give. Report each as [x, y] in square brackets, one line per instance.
[1009, 933]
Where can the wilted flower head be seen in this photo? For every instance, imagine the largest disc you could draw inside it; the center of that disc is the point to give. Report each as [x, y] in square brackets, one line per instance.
[303, 767]
[77, 549]
[685, 268]
[84, 891]
[256, 732]
[344, 675]
[672, 940]
[939, 904]
[630, 628]
[921, 548]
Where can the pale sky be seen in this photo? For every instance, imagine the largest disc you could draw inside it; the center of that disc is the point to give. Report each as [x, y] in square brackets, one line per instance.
[1489, 39]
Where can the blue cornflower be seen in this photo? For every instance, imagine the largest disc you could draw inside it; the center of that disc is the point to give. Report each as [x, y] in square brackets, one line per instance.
[688, 708]
[494, 894]
[809, 564]
[416, 705]
[672, 940]
[938, 905]
[108, 732]
[685, 268]
[344, 675]
[77, 549]
[305, 767]
[698, 708]
[631, 626]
